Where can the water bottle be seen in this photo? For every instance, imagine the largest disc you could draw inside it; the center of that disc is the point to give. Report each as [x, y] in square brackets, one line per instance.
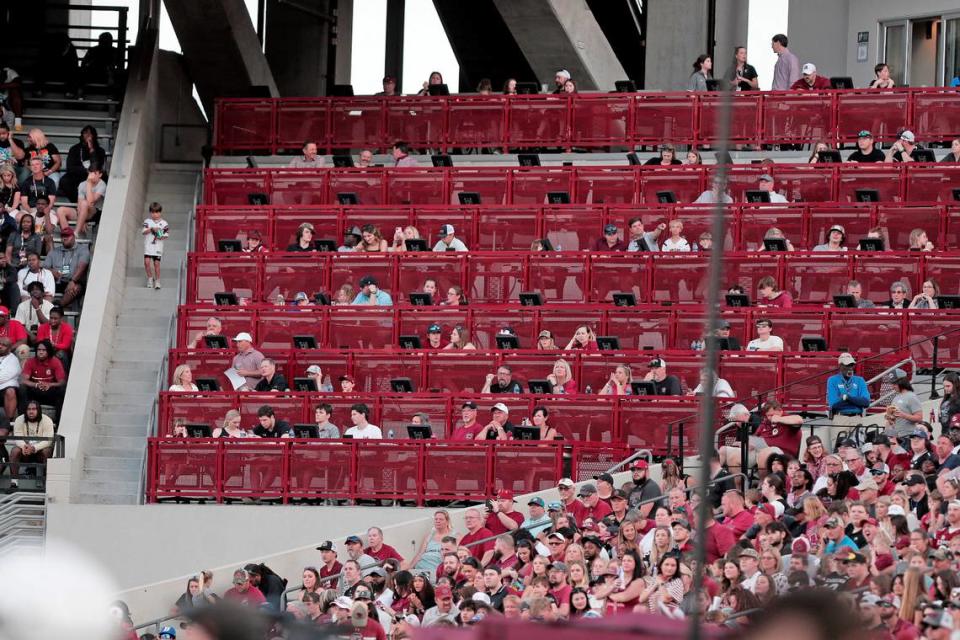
[390, 434]
[588, 390]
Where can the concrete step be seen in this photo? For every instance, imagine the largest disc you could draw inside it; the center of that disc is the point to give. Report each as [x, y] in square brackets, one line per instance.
[133, 427]
[138, 356]
[115, 487]
[111, 463]
[106, 498]
[136, 416]
[133, 387]
[120, 446]
[137, 403]
[140, 332]
[150, 340]
[141, 321]
[147, 374]
[123, 477]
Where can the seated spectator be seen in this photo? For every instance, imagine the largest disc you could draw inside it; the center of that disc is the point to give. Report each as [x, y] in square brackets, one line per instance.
[460, 339]
[694, 157]
[815, 152]
[676, 241]
[880, 233]
[9, 382]
[836, 236]
[899, 292]
[270, 426]
[504, 382]
[610, 241]
[244, 593]
[667, 157]
[32, 424]
[470, 429]
[539, 420]
[389, 87]
[86, 153]
[247, 361]
[702, 68]
[68, 262]
[855, 289]
[59, 333]
[434, 337]
[9, 193]
[370, 294]
[304, 239]
[619, 383]
[231, 427]
[723, 331]
[401, 235]
[254, 242]
[767, 184]
[721, 388]
[641, 240]
[100, 63]
[361, 429]
[867, 150]
[371, 240]
[811, 80]
[765, 340]
[954, 154]
[583, 339]
[713, 195]
[510, 87]
[500, 427]
[183, 379]
[435, 78]
[777, 433]
[345, 295]
[270, 380]
[351, 240]
[213, 329]
[89, 200]
[882, 79]
[775, 233]
[770, 295]
[34, 272]
[902, 150]
[562, 378]
[16, 332]
[43, 377]
[927, 298]
[322, 415]
[448, 240]
[401, 155]
[664, 385]
[560, 79]
[316, 374]
[546, 341]
[35, 185]
[570, 86]
[919, 241]
[455, 297]
[35, 310]
[347, 383]
[41, 147]
[365, 159]
[704, 242]
[309, 158]
[22, 244]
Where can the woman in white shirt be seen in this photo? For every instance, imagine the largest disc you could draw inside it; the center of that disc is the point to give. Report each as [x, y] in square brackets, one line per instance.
[183, 379]
[676, 242]
[721, 388]
[765, 341]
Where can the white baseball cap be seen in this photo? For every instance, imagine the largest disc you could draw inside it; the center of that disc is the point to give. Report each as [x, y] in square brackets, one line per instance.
[243, 336]
[500, 407]
[809, 68]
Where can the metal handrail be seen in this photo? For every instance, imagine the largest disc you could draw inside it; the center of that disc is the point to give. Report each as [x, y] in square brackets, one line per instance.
[641, 453]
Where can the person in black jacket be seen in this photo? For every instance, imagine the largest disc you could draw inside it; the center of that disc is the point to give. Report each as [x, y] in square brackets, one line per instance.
[86, 153]
[664, 385]
[270, 584]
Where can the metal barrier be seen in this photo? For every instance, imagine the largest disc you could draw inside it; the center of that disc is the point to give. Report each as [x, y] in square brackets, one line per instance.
[616, 184]
[23, 522]
[581, 121]
[226, 469]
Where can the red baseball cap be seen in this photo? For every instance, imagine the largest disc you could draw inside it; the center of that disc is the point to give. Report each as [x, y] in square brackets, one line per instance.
[505, 494]
[872, 521]
[640, 464]
[767, 509]
[443, 591]
[4, 311]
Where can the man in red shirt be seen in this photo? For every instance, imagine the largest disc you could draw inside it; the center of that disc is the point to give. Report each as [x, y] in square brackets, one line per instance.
[590, 505]
[43, 377]
[559, 589]
[735, 516]
[502, 517]
[58, 332]
[951, 528]
[471, 429]
[780, 433]
[811, 80]
[719, 539]
[14, 330]
[568, 498]
[476, 531]
[898, 628]
[330, 567]
[558, 546]
[378, 550]
[244, 593]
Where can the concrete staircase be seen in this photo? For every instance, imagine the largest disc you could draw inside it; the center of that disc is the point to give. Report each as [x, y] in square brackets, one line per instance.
[112, 474]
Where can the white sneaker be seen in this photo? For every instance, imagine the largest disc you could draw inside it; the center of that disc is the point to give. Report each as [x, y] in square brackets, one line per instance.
[149, 283]
[156, 285]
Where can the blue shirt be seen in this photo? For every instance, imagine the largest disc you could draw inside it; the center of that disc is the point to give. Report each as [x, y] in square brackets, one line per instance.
[834, 547]
[854, 387]
[383, 298]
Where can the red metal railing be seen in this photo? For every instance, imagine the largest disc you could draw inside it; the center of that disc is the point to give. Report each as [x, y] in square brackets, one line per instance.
[561, 277]
[611, 185]
[580, 121]
[225, 469]
[577, 227]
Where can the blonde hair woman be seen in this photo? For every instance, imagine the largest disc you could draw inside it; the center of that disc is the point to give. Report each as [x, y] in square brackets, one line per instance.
[460, 339]
[9, 189]
[400, 236]
[183, 379]
[562, 378]
[231, 426]
[41, 147]
[429, 556]
[619, 383]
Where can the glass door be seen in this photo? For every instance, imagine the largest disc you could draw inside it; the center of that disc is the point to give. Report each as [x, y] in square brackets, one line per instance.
[895, 37]
[951, 46]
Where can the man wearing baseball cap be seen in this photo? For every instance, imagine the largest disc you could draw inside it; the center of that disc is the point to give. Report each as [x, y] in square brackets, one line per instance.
[811, 80]
[902, 150]
[502, 516]
[847, 395]
[767, 185]
[610, 240]
[663, 384]
[355, 550]
[568, 496]
[866, 149]
[836, 236]
[642, 489]
[591, 506]
[500, 427]
[444, 610]
[470, 429]
[247, 361]
[370, 294]
[167, 632]
[330, 567]
[538, 520]
[434, 336]
[243, 592]
[448, 240]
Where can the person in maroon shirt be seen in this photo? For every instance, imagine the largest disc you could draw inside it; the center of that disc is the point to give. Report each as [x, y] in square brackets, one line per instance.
[43, 377]
[769, 295]
[590, 505]
[735, 516]
[781, 433]
[610, 241]
[558, 546]
[476, 531]
[811, 80]
[505, 552]
[378, 550]
[244, 593]
[330, 567]
[502, 517]
[719, 539]
[470, 429]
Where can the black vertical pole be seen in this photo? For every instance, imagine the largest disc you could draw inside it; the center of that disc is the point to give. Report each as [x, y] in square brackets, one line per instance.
[933, 376]
[393, 56]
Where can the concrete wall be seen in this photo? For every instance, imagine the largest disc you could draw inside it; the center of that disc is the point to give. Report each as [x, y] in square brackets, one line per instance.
[676, 35]
[134, 152]
[733, 17]
[818, 32]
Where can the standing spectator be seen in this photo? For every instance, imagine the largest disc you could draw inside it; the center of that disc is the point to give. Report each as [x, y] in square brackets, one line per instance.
[847, 394]
[309, 159]
[882, 79]
[401, 155]
[32, 424]
[68, 262]
[43, 377]
[867, 150]
[742, 76]
[787, 69]
[362, 429]
[155, 231]
[702, 68]
[811, 80]
[81, 156]
[247, 361]
[448, 240]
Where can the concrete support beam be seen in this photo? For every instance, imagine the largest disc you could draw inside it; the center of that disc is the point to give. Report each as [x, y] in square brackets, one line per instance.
[343, 42]
[562, 34]
[220, 43]
[297, 45]
[736, 12]
[676, 35]
[393, 54]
